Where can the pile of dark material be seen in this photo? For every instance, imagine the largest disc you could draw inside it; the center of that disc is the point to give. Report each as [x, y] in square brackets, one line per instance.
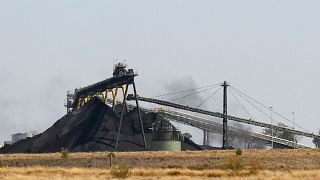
[92, 128]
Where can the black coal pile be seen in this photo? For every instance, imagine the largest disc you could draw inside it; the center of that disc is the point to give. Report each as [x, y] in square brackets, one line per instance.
[92, 128]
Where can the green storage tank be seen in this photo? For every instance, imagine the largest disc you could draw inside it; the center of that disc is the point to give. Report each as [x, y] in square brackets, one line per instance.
[165, 137]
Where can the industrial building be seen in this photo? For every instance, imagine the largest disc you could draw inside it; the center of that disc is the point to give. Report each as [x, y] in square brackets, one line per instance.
[18, 137]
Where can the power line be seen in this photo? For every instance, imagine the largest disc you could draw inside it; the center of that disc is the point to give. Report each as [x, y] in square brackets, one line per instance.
[209, 97]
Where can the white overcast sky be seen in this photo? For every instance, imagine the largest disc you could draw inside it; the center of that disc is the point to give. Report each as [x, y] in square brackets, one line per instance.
[269, 49]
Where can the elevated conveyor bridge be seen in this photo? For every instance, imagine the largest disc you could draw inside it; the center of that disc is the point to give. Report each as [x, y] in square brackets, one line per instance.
[220, 115]
[215, 127]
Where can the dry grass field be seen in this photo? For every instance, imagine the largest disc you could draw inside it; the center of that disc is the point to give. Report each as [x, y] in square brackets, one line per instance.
[145, 173]
[252, 164]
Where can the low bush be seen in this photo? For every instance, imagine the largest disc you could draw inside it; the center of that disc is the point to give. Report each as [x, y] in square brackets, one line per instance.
[64, 153]
[174, 173]
[239, 152]
[173, 167]
[235, 164]
[120, 172]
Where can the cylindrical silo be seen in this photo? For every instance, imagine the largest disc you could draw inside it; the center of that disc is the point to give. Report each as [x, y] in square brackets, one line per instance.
[165, 137]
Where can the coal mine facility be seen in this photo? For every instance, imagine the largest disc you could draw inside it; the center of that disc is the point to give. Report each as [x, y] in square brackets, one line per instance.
[97, 121]
[91, 124]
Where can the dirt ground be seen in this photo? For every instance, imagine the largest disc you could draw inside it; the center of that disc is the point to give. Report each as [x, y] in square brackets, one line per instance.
[252, 164]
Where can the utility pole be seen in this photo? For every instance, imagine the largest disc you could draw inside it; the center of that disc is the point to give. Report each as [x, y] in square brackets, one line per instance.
[225, 114]
[271, 111]
[293, 123]
[293, 119]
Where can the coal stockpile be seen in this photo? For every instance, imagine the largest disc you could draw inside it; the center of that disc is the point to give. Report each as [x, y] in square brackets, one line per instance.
[93, 128]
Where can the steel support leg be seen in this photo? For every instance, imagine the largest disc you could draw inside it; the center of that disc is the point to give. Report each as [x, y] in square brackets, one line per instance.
[121, 118]
[204, 137]
[114, 95]
[125, 104]
[139, 114]
[208, 141]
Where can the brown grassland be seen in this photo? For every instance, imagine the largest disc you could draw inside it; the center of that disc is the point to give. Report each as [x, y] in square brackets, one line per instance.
[252, 164]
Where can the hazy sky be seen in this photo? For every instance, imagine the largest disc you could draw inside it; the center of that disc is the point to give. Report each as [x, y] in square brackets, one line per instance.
[269, 49]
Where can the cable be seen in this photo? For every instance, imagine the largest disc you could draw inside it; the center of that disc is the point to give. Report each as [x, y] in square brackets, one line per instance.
[209, 97]
[192, 94]
[280, 115]
[193, 89]
[255, 106]
[244, 108]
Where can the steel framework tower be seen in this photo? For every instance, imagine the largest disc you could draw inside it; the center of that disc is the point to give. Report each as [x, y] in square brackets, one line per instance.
[225, 115]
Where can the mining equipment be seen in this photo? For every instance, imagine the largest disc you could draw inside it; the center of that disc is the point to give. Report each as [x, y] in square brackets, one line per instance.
[121, 77]
[120, 69]
[121, 80]
[165, 137]
[70, 100]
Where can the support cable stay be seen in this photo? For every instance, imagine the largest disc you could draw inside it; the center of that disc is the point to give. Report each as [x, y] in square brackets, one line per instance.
[254, 106]
[187, 90]
[242, 106]
[207, 99]
[267, 108]
[194, 93]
